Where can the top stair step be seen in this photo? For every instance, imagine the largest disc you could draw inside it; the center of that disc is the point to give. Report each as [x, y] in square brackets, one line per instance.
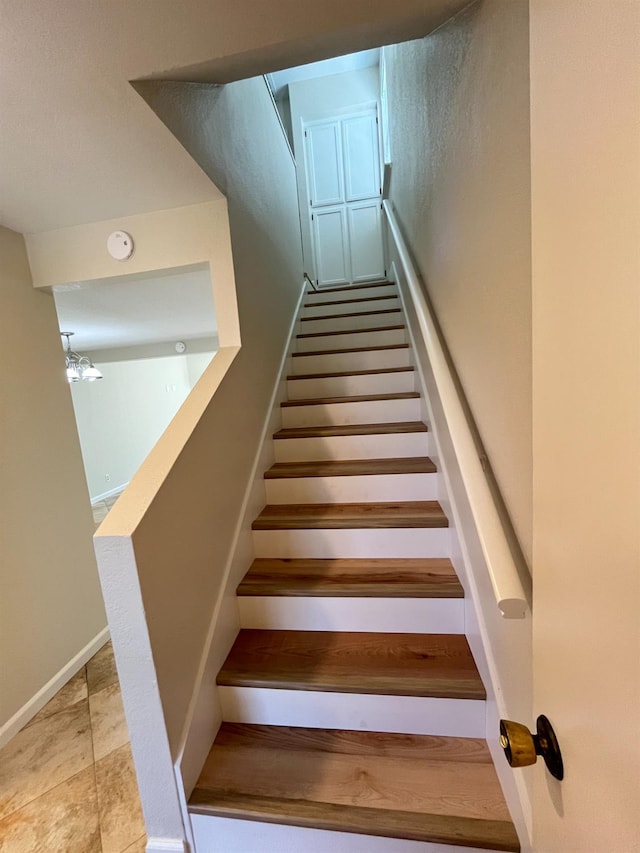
[350, 287]
[432, 789]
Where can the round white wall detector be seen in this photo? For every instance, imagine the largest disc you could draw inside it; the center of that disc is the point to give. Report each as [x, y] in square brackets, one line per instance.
[120, 245]
[180, 346]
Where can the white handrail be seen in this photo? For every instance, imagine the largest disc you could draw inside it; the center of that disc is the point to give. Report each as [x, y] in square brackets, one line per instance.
[503, 572]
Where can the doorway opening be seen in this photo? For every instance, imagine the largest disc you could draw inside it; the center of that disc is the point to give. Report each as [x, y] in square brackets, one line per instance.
[332, 113]
[151, 336]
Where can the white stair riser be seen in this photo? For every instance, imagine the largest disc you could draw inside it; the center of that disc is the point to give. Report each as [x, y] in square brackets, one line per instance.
[366, 412]
[380, 446]
[317, 613]
[229, 835]
[348, 543]
[359, 711]
[348, 386]
[361, 339]
[344, 361]
[350, 321]
[351, 307]
[358, 489]
[321, 296]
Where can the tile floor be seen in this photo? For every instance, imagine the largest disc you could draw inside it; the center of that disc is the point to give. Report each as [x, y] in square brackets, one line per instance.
[67, 782]
[101, 509]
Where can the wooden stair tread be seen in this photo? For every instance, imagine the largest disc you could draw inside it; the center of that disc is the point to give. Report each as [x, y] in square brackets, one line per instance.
[435, 665]
[343, 287]
[346, 351]
[350, 301]
[467, 832]
[351, 467]
[351, 429]
[429, 577]
[339, 374]
[361, 398]
[351, 314]
[395, 328]
[351, 516]
[438, 789]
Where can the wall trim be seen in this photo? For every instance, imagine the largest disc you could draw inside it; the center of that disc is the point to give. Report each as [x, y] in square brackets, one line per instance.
[110, 494]
[165, 845]
[40, 699]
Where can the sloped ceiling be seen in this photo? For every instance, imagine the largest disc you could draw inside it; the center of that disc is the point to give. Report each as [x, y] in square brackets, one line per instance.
[78, 144]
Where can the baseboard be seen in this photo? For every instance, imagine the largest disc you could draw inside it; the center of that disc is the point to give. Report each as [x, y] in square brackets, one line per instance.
[165, 845]
[110, 494]
[40, 699]
[204, 715]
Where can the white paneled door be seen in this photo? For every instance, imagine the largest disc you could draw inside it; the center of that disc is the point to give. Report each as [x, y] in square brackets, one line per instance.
[342, 164]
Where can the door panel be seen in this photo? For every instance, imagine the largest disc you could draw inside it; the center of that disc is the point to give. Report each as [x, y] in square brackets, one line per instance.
[331, 241]
[325, 172]
[361, 159]
[343, 181]
[365, 236]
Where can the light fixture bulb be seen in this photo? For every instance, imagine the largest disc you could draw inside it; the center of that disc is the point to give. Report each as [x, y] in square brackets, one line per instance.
[91, 373]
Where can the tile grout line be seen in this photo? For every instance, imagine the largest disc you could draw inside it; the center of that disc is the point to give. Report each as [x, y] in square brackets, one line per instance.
[93, 758]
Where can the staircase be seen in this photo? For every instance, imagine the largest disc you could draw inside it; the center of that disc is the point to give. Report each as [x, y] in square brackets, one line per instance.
[354, 715]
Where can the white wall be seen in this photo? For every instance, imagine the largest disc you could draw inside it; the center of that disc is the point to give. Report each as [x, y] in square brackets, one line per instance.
[122, 416]
[50, 602]
[459, 110]
[325, 98]
[585, 158]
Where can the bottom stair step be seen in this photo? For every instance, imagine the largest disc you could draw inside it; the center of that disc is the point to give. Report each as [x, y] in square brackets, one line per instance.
[432, 789]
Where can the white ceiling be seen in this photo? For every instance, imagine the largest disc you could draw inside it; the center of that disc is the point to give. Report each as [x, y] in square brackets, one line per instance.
[78, 144]
[137, 310]
[337, 65]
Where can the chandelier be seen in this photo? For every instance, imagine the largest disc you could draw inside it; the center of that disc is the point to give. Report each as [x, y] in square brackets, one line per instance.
[78, 366]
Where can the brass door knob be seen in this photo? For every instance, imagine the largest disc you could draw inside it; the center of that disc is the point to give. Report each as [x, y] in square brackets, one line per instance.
[522, 748]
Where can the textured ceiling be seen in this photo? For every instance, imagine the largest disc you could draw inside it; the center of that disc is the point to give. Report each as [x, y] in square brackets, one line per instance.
[77, 144]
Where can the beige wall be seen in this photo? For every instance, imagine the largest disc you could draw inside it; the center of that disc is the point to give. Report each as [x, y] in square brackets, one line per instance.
[234, 134]
[585, 151]
[164, 239]
[459, 115]
[50, 602]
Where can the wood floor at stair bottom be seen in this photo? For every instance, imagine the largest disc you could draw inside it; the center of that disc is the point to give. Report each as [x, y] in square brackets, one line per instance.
[435, 665]
[393, 578]
[443, 790]
[351, 516]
